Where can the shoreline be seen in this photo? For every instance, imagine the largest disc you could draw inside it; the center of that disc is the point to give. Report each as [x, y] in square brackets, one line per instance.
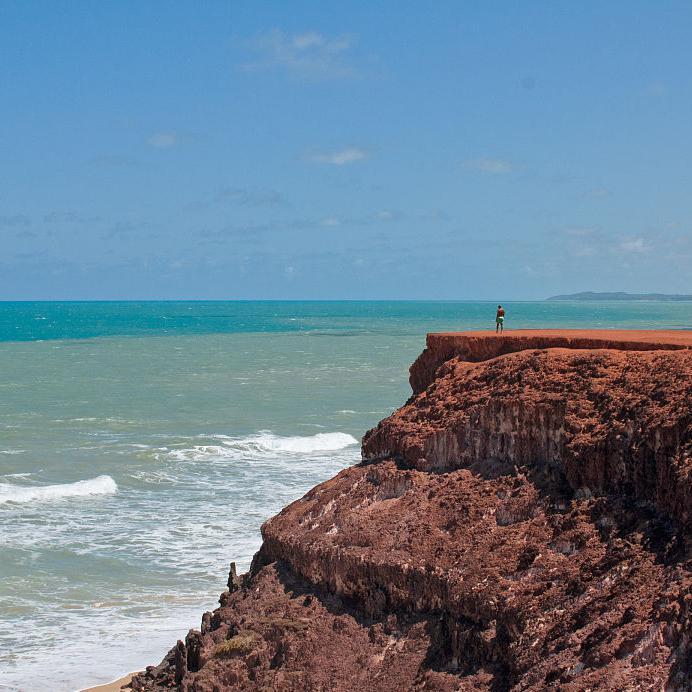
[113, 686]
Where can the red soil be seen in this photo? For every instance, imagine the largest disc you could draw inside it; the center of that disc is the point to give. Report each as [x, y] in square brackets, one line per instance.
[478, 346]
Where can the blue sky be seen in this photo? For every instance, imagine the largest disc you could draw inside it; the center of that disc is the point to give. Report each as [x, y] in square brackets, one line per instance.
[450, 150]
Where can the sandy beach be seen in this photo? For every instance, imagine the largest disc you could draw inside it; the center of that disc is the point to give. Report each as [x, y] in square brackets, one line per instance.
[114, 686]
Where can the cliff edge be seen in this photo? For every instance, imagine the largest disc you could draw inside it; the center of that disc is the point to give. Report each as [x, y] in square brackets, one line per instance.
[479, 346]
[521, 523]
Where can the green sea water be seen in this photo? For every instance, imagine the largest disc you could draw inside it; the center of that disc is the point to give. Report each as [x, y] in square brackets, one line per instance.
[143, 444]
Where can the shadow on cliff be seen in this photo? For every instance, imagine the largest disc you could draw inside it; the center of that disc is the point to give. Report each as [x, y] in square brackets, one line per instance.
[454, 646]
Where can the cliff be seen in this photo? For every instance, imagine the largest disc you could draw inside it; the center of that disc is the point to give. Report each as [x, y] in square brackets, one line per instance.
[521, 523]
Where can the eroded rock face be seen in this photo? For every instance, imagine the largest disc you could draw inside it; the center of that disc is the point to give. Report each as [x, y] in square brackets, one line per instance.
[606, 420]
[522, 524]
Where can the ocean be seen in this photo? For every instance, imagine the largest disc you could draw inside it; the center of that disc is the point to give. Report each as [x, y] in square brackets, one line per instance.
[142, 445]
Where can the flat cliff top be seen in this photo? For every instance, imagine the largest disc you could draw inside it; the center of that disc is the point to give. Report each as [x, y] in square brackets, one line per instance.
[614, 338]
[485, 345]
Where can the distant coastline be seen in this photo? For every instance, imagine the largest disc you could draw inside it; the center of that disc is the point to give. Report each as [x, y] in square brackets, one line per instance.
[591, 295]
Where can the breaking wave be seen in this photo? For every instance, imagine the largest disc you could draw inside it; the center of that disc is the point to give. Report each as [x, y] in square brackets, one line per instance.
[101, 485]
[262, 445]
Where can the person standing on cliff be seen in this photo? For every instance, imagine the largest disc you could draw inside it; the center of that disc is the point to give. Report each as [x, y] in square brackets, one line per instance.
[500, 320]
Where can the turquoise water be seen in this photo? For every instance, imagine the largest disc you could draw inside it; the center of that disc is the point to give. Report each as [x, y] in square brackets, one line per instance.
[28, 321]
[143, 444]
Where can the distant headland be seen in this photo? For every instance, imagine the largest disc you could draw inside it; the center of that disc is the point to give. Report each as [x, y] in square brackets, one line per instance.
[591, 295]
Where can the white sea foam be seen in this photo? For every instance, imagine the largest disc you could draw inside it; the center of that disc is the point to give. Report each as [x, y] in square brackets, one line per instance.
[101, 485]
[264, 444]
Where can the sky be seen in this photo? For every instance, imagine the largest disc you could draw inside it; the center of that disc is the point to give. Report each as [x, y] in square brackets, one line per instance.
[351, 150]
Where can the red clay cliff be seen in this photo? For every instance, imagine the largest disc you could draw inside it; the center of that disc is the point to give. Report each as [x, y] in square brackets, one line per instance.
[521, 523]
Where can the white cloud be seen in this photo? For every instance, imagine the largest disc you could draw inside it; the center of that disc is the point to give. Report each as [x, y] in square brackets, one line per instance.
[340, 157]
[657, 89]
[309, 40]
[387, 215]
[251, 198]
[637, 245]
[309, 55]
[15, 220]
[598, 192]
[113, 161]
[330, 221]
[68, 217]
[580, 231]
[494, 166]
[163, 140]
